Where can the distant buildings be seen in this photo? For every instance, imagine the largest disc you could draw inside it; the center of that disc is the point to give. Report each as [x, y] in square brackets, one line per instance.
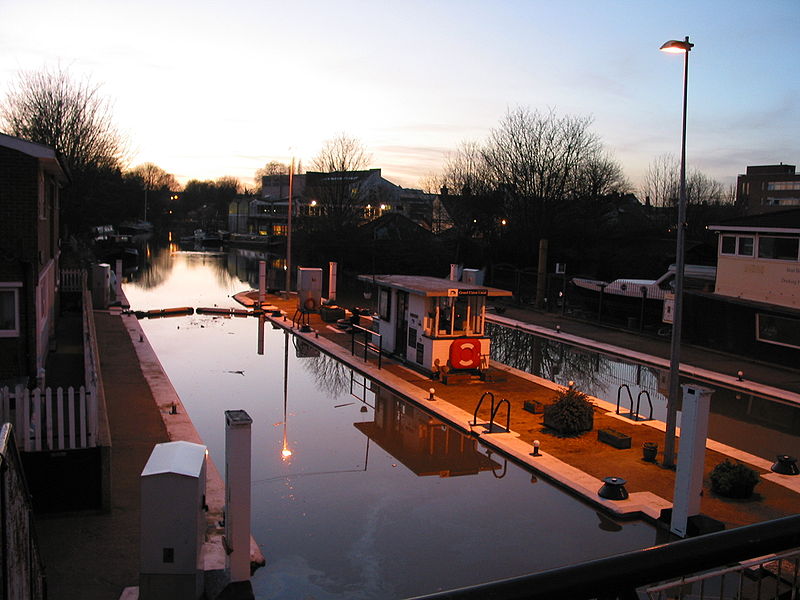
[768, 187]
[31, 178]
[352, 196]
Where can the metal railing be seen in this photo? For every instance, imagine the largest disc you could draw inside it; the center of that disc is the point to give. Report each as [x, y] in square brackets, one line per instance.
[622, 575]
[368, 342]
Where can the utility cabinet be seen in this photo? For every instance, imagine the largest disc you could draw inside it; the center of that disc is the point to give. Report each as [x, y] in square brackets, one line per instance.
[309, 289]
[173, 522]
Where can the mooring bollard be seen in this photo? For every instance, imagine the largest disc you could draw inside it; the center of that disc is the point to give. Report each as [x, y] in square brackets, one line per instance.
[613, 489]
[430, 395]
[535, 448]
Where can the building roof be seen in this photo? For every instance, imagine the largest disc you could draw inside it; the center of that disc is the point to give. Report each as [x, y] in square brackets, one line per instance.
[422, 285]
[779, 221]
[47, 156]
[176, 458]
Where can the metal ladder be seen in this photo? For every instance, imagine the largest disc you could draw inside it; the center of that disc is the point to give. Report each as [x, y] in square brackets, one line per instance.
[493, 412]
[634, 414]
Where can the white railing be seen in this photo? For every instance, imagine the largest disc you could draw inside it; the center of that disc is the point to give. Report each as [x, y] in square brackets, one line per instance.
[51, 419]
[73, 280]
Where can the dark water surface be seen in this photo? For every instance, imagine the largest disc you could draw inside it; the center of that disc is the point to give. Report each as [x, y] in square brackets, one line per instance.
[377, 499]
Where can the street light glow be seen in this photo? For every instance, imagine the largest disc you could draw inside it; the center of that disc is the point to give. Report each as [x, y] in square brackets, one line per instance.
[676, 47]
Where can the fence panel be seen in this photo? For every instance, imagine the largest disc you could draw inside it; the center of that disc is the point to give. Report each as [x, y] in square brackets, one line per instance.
[45, 422]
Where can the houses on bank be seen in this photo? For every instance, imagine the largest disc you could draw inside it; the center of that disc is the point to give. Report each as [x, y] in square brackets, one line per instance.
[31, 180]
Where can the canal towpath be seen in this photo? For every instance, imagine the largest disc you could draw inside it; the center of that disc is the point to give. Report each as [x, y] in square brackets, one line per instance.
[96, 556]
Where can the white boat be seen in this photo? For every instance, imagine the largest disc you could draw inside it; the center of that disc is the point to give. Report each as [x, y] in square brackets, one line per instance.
[695, 276]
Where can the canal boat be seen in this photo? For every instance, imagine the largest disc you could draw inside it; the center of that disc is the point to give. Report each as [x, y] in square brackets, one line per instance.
[627, 297]
[432, 323]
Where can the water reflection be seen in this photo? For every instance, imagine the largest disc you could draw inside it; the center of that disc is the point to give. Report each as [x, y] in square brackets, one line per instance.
[424, 444]
[759, 425]
[369, 504]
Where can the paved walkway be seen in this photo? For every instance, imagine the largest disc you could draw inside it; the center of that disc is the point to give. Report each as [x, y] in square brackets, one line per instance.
[579, 463]
[97, 555]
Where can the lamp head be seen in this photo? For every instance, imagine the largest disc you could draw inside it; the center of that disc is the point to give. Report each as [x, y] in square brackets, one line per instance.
[676, 46]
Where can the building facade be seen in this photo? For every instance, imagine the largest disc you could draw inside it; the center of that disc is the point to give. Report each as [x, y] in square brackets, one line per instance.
[755, 307]
[31, 179]
[767, 188]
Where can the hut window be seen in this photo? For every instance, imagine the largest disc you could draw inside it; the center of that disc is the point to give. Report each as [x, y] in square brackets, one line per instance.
[384, 303]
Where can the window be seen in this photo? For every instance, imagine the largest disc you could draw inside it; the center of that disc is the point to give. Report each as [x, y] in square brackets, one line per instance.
[384, 303]
[778, 248]
[741, 245]
[780, 331]
[783, 185]
[783, 201]
[9, 310]
[728, 244]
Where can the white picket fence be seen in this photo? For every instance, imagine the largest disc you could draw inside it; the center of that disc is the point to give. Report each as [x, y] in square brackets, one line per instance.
[51, 419]
[73, 280]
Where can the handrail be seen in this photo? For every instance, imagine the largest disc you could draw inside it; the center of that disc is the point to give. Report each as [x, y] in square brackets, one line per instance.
[649, 402]
[620, 575]
[494, 414]
[478, 407]
[619, 394]
[367, 346]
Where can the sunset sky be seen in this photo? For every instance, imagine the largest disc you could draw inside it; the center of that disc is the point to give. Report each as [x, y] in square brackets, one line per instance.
[205, 89]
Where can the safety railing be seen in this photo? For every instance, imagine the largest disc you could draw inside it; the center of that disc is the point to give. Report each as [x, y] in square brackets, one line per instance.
[368, 342]
[622, 576]
[634, 413]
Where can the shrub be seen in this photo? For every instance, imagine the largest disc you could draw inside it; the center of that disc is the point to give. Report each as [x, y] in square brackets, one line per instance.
[572, 412]
[733, 479]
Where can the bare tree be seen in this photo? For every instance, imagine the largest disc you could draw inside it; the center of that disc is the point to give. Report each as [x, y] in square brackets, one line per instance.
[536, 157]
[51, 108]
[336, 185]
[273, 167]
[154, 177]
[341, 153]
[661, 182]
[702, 189]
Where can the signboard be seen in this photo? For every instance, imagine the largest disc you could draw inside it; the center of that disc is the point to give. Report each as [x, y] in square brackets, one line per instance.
[669, 307]
[472, 292]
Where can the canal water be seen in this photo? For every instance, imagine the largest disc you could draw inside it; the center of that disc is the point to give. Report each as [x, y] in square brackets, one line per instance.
[356, 493]
[759, 425]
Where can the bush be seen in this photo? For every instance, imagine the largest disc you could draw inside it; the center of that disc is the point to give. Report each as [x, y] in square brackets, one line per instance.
[572, 412]
[733, 479]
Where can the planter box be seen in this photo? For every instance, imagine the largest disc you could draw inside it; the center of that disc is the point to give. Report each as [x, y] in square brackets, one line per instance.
[331, 314]
[533, 406]
[614, 438]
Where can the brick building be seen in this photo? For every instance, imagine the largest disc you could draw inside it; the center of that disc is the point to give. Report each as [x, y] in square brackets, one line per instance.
[766, 188]
[31, 178]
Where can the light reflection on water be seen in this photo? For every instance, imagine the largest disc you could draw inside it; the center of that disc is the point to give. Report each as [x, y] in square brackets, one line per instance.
[382, 503]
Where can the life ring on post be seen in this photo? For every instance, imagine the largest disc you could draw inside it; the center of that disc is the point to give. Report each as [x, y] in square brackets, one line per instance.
[310, 305]
[465, 353]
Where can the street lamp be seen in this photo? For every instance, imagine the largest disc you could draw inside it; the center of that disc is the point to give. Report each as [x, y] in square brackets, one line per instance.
[677, 47]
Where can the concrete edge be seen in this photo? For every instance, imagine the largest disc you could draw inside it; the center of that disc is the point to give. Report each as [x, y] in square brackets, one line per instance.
[180, 428]
[731, 381]
[509, 444]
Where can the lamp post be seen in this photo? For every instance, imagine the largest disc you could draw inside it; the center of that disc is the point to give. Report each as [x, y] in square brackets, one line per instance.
[677, 47]
[289, 231]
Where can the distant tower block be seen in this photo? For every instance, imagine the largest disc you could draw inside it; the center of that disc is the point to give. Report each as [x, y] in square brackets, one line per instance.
[237, 494]
[173, 522]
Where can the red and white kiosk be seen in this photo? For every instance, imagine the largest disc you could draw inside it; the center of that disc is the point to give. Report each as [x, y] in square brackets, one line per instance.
[431, 322]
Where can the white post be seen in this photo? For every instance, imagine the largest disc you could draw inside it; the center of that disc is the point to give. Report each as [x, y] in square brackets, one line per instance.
[332, 280]
[262, 282]
[453, 272]
[689, 474]
[237, 494]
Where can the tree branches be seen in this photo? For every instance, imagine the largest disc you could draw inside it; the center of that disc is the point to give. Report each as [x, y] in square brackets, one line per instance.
[51, 108]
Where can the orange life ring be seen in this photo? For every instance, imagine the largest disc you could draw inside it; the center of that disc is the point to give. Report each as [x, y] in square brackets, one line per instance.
[465, 353]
